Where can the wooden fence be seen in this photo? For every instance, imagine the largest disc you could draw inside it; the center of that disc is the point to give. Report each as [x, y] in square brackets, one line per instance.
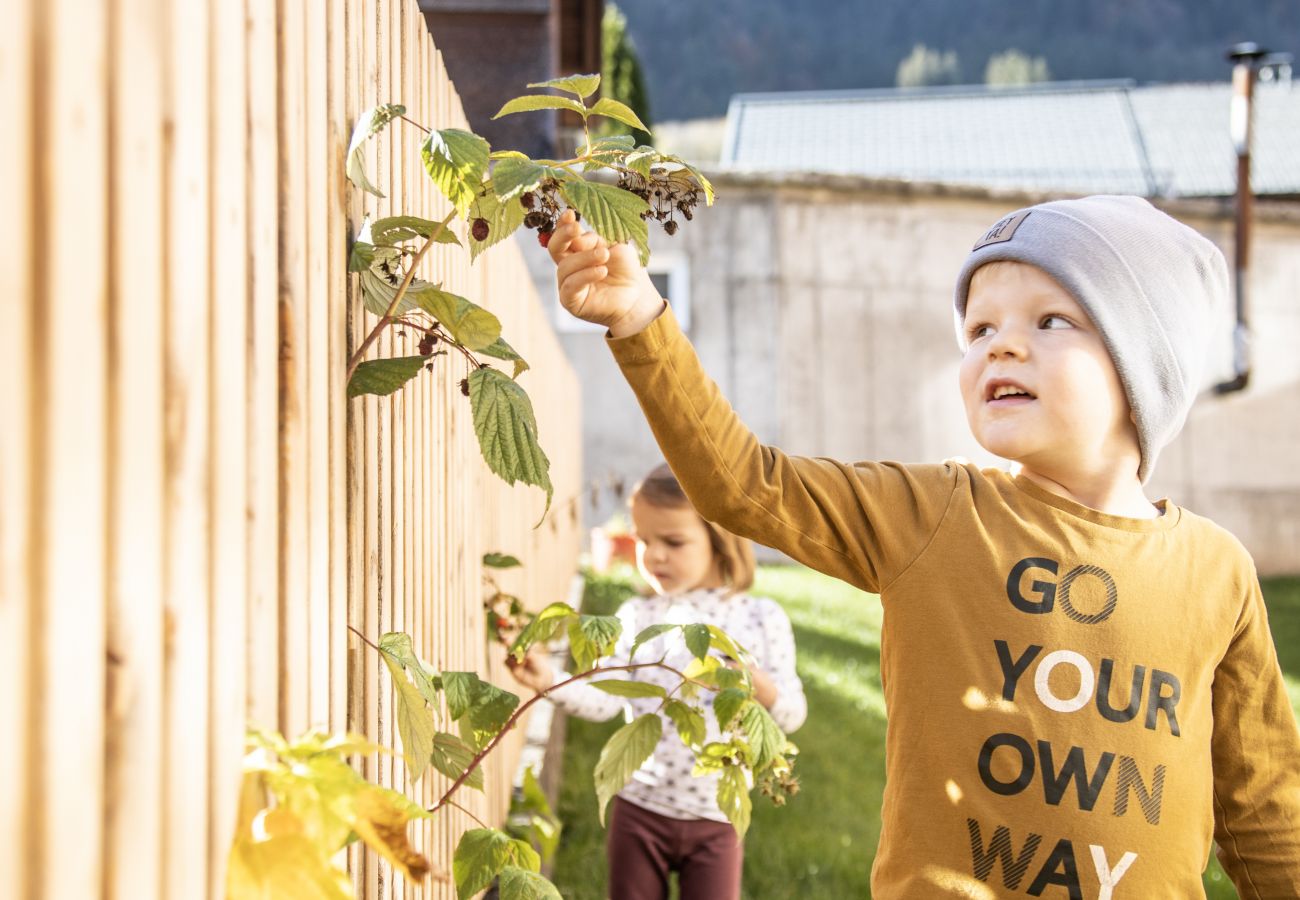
[191, 512]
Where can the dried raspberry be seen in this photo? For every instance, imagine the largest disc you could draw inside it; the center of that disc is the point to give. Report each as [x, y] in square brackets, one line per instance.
[480, 230]
[670, 227]
[535, 219]
[544, 238]
[577, 216]
[426, 344]
[527, 199]
[464, 386]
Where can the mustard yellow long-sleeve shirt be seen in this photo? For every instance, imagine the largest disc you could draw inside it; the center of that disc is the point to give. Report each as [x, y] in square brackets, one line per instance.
[1078, 702]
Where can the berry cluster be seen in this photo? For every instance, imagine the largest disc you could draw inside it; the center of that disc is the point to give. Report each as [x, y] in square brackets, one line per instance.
[667, 192]
[427, 342]
[543, 208]
[779, 786]
[505, 617]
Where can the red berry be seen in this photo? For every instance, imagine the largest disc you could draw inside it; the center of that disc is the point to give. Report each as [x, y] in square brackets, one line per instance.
[479, 229]
[544, 238]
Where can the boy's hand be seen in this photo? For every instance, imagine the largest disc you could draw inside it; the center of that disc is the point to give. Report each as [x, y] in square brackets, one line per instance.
[602, 283]
[531, 672]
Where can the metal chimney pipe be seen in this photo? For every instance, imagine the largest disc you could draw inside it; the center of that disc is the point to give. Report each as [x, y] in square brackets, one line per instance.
[1245, 59]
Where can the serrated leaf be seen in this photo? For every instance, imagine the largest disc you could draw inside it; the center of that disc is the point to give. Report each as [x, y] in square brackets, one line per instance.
[630, 688]
[381, 822]
[414, 721]
[481, 855]
[641, 160]
[520, 884]
[398, 229]
[727, 703]
[377, 293]
[499, 349]
[622, 755]
[695, 173]
[500, 561]
[766, 739]
[591, 637]
[614, 213]
[513, 176]
[471, 325]
[733, 798]
[621, 112]
[398, 645]
[647, 634]
[456, 160]
[507, 430]
[481, 708]
[720, 640]
[697, 640]
[581, 85]
[451, 756]
[368, 124]
[383, 376]
[541, 628]
[691, 727]
[503, 218]
[532, 102]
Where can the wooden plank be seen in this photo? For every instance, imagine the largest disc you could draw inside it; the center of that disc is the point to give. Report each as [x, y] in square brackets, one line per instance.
[134, 749]
[230, 444]
[68, 451]
[187, 554]
[18, 90]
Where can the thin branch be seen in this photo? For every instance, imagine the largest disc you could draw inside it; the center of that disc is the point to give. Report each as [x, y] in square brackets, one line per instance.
[453, 803]
[365, 639]
[416, 124]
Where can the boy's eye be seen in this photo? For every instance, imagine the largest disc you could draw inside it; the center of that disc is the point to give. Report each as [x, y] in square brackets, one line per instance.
[977, 332]
[1055, 321]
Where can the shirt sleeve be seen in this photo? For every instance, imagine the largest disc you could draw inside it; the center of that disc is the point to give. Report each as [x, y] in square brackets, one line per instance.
[862, 522]
[1256, 748]
[586, 702]
[791, 707]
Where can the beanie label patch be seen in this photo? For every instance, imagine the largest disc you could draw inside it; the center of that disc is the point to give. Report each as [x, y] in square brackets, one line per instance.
[1003, 230]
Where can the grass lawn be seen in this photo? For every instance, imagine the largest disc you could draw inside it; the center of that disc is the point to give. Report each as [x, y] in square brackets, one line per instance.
[822, 844]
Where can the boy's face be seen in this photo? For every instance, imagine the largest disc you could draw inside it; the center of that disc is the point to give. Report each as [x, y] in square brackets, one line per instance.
[1037, 382]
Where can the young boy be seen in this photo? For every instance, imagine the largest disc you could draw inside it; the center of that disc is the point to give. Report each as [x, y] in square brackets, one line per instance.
[1082, 686]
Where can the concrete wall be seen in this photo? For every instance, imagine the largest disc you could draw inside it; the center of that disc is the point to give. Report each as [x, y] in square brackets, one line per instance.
[822, 306]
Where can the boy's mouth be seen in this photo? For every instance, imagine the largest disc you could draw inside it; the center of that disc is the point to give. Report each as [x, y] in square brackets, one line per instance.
[1005, 392]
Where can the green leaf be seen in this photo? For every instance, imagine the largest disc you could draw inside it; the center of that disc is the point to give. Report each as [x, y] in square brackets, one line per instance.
[641, 160]
[383, 376]
[499, 349]
[377, 292]
[531, 102]
[720, 640]
[697, 640]
[503, 218]
[479, 707]
[471, 325]
[621, 112]
[362, 254]
[500, 561]
[733, 798]
[507, 430]
[514, 175]
[691, 727]
[368, 124]
[541, 628]
[622, 755]
[630, 688]
[451, 756]
[727, 704]
[398, 645]
[520, 884]
[581, 85]
[766, 739]
[591, 637]
[647, 634]
[398, 229]
[614, 213]
[481, 855]
[456, 161]
[414, 721]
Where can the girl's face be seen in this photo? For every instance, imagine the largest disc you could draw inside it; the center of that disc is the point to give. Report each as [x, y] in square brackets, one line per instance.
[672, 548]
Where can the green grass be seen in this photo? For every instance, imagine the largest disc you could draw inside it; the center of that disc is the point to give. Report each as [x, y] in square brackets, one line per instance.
[822, 844]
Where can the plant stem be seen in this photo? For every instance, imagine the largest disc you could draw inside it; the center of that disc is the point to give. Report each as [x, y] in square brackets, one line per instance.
[468, 813]
[387, 318]
[416, 124]
[365, 639]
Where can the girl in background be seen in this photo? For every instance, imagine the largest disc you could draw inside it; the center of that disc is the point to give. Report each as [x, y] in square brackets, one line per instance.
[664, 819]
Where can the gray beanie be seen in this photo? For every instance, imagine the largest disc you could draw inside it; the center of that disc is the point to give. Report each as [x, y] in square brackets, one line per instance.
[1149, 283]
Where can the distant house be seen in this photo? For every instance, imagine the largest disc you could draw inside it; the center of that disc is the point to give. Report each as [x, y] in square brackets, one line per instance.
[1067, 137]
[494, 48]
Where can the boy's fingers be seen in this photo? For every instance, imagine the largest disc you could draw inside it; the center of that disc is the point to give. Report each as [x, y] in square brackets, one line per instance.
[576, 262]
[566, 230]
[580, 281]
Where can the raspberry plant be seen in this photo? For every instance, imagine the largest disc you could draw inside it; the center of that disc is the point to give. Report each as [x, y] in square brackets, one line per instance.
[497, 193]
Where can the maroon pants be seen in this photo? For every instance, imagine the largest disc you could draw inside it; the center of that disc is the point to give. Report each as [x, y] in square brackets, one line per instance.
[644, 847]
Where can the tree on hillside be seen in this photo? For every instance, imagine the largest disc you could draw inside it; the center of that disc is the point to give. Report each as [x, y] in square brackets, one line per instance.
[924, 66]
[1011, 68]
[621, 77]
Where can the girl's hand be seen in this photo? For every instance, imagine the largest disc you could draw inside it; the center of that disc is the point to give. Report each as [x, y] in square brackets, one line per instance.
[531, 673]
[602, 283]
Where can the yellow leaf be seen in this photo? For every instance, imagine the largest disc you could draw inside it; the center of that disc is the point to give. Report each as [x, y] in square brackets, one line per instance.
[381, 822]
[288, 867]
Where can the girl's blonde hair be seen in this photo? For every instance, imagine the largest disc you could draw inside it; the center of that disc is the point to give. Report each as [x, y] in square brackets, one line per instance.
[734, 554]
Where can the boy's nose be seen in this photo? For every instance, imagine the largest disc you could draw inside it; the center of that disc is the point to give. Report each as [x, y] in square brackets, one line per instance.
[1010, 341]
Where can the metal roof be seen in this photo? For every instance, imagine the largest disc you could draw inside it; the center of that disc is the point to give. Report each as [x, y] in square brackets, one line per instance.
[1069, 137]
